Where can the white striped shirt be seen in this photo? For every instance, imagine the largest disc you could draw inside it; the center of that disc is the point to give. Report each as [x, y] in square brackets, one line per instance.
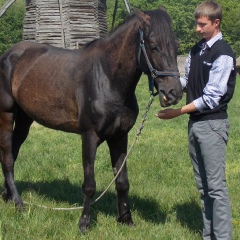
[218, 78]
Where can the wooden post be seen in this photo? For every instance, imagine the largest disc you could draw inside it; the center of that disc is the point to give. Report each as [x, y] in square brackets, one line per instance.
[62, 24]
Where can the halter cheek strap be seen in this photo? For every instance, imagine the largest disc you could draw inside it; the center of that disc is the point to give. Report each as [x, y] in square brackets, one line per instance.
[153, 72]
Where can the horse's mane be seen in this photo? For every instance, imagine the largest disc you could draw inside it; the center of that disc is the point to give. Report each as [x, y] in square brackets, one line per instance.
[90, 43]
[124, 22]
[160, 24]
[112, 33]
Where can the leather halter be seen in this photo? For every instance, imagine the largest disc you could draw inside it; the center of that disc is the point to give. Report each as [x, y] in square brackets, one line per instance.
[153, 72]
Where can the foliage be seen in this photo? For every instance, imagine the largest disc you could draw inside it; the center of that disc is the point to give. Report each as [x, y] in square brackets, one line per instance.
[231, 23]
[181, 12]
[11, 25]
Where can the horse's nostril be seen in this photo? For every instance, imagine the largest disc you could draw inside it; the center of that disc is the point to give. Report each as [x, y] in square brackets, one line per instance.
[162, 92]
[172, 92]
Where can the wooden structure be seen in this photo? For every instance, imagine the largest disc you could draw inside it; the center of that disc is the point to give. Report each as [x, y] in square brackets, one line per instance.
[238, 65]
[65, 23]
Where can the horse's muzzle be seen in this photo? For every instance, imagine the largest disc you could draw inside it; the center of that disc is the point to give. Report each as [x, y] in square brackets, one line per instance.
[170, 96]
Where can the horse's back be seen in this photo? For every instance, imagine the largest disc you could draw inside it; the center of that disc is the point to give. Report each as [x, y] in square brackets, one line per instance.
[22, 54]
[7, 63]
[40, 79]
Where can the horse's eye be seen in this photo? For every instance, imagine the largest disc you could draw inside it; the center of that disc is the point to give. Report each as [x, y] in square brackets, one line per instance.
[155, 49]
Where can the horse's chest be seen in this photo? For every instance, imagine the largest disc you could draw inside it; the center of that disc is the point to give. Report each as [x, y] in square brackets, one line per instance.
[127, 119]
[122, 123]
[114, 119]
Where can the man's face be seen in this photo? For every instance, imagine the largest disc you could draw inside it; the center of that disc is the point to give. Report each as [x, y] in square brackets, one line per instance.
[206, 28]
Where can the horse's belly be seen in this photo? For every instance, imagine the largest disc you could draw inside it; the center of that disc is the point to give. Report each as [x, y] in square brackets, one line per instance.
[52, 115]
[47, 96]
[55, 109]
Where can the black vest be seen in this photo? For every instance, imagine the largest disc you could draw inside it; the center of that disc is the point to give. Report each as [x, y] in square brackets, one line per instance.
[199, 76]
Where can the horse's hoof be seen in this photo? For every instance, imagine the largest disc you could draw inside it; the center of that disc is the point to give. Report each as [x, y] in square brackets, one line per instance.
[19, 204]
[83, 225]
[126, 218]
[5, 196]
[17, 201]
[83, 229]
[128, 222]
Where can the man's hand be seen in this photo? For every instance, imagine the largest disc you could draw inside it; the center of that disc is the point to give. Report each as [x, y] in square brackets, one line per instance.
[169, 113]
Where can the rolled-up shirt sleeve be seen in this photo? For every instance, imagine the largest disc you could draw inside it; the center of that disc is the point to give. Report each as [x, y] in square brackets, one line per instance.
[217, 84]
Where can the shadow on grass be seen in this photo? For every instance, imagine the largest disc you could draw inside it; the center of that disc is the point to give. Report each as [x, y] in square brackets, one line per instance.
[64, 191]
[189, 214]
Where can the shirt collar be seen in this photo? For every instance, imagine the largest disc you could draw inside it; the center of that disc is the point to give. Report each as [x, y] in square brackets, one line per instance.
[214, 39]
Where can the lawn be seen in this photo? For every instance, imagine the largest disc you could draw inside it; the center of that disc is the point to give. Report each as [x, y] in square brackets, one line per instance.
[163, 197]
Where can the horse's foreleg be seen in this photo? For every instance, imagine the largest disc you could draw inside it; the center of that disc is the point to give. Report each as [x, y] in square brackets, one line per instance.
[89, 147]
[7, 160]
[118, 151]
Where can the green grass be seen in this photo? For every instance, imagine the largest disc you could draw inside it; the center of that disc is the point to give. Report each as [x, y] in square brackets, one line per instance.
[163, 197]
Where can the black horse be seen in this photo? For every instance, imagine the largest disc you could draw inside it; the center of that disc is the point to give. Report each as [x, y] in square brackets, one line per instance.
[88, 91]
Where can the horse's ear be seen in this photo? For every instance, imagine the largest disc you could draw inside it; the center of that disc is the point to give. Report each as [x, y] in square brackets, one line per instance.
[162, 8]
[144, 18]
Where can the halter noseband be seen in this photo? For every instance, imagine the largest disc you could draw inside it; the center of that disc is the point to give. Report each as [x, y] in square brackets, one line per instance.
[153, 72]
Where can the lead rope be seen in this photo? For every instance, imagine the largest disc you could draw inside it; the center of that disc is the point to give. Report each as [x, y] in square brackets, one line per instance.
[139, 130]
[127, 4]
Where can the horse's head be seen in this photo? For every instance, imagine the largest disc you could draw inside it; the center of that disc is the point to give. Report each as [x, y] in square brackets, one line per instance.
[157, 56]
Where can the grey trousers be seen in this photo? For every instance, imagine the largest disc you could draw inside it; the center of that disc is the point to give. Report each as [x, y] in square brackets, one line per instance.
[207, 149]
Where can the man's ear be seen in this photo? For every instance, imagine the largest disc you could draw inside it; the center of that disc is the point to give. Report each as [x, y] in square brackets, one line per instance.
[217, 22]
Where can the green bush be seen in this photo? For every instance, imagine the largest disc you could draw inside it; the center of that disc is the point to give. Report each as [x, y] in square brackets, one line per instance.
[11, 25]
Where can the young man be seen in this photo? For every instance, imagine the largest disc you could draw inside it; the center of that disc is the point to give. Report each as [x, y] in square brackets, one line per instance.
[209, 82]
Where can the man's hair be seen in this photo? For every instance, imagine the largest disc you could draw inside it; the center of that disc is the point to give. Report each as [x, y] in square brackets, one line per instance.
[209, 9]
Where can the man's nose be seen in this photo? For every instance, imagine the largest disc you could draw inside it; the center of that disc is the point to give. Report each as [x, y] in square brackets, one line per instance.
[198, 28]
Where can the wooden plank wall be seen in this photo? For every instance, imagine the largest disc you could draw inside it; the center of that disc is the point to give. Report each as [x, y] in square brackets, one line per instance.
[29, 28]
[65, 23]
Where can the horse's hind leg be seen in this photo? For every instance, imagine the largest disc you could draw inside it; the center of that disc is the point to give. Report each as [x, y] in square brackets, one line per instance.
[22, 124]
[7, 160]
[118, 151]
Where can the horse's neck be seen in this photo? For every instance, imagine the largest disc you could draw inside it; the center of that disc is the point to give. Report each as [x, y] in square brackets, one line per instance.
[124, 49]
[125, 41]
